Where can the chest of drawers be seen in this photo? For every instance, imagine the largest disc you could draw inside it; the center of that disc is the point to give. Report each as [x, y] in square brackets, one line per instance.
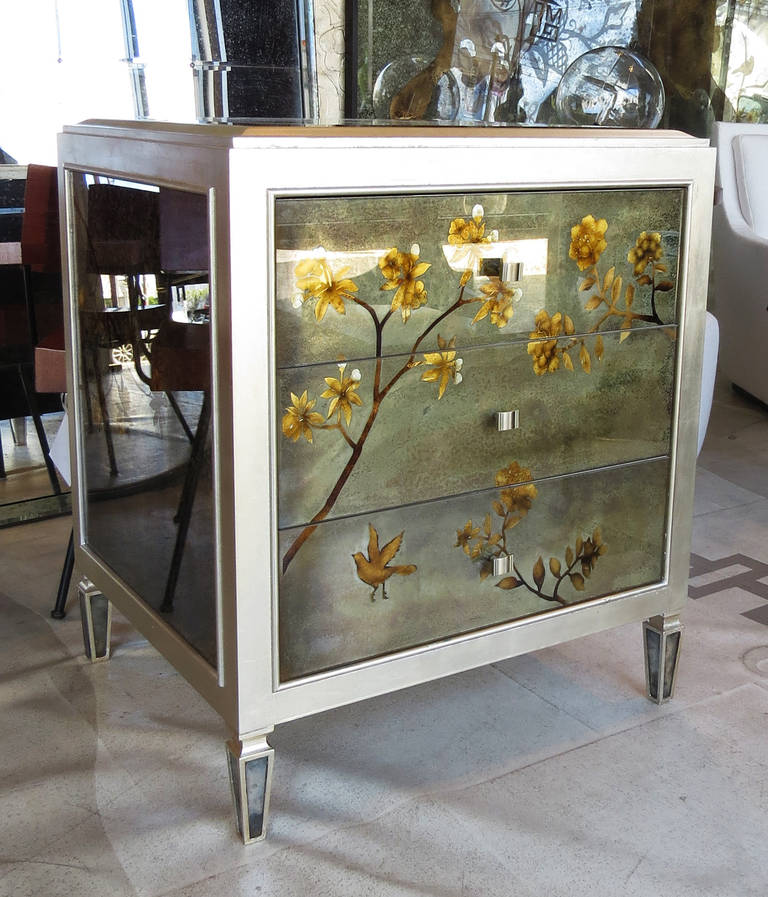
[441, 408]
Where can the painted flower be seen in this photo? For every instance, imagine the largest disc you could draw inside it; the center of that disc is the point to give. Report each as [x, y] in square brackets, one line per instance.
[299, 418]
[468, 237]
[499, 302]
[401, 271]
[592, 549]
[465, 536]
[316, 280]
[520, 498]
[341, 392]
[544, 349]
[588, 241]
[444, 365]
[647, 249]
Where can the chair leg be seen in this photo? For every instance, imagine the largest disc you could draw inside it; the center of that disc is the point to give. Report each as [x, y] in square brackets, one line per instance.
[29, 394]
[58, 612]
[186, 504]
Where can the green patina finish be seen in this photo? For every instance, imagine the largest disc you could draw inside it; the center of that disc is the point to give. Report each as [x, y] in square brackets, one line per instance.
[399, 335]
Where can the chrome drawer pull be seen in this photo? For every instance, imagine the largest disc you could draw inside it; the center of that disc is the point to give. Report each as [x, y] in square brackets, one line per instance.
[512, 272]
[502, 565]
[507, 420]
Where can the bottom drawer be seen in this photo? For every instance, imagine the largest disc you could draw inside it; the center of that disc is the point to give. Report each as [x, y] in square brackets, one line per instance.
[369, 585]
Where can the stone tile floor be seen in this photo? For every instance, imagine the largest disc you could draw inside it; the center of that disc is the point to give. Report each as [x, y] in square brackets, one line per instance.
[549, 774]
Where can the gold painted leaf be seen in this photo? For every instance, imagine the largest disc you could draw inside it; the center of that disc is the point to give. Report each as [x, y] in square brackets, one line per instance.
[539, 572]
[577, 581]
[514, 519]
[625, 326]
[665, 286]
[485, 571]
[586, 284]
[568, 325]
[487, 525]
[509, 582]
[567, 361]
[660, 267]
[569, 555]
[616, 290]
[593, 303]
[596, 536]
[499, 508]
[608, 279]
[599, 348]
[465, 277]
[630, 295]
[554, 566]
[584, 358]
[644, 280]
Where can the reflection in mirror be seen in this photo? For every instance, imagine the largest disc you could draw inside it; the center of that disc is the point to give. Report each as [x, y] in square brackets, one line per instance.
[31, 383]
[143, 287]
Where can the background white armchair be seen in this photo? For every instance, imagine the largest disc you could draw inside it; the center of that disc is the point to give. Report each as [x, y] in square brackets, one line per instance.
[740, 254]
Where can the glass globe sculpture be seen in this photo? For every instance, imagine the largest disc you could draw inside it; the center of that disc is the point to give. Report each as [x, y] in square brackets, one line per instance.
[610, 86]
[443, 103]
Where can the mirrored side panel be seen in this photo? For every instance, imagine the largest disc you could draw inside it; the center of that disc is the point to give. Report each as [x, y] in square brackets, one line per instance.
[143, 371]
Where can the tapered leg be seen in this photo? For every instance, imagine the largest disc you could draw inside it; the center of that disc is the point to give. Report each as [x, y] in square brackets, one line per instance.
[661, 637]
[250, 764]
[96, 615]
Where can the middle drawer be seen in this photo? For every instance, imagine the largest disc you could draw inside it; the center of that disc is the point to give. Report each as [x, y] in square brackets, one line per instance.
[372, 434]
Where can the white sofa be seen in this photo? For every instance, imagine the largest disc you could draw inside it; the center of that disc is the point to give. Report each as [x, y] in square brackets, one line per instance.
[740, 254]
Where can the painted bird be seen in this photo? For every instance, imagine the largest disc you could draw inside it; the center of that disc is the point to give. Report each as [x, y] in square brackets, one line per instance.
[374, 570]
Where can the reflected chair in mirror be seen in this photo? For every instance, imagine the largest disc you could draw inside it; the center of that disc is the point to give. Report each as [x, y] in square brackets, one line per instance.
[51, 377]
[181, 356]
[31, 307]
[740, 254]
[122, 247]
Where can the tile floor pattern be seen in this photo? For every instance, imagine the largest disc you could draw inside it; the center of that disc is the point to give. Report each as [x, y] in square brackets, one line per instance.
[548, 775]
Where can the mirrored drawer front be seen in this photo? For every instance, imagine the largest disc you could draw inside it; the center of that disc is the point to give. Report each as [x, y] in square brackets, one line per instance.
[403, 430]
[360, 276]
[372, 584]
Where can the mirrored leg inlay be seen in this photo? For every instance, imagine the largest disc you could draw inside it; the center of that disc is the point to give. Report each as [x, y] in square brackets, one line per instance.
[661, 636]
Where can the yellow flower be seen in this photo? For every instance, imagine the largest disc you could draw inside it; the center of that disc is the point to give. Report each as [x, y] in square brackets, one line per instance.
[588, 241]
[592, 549]
[520, 498]
[545, 350]
[400, 271]
[316, 281]
[342, 393]
[445, 366]
[470, 231]
[299, 419]
[647, 249]
[499, 302]
[465, 536]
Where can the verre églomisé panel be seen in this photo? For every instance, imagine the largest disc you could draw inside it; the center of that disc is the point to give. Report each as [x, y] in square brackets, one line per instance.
[372, 584]
[361, 276]
[367, 435]
[144, 306]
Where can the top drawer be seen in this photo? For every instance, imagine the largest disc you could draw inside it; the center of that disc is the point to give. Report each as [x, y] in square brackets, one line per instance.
[365, 276]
